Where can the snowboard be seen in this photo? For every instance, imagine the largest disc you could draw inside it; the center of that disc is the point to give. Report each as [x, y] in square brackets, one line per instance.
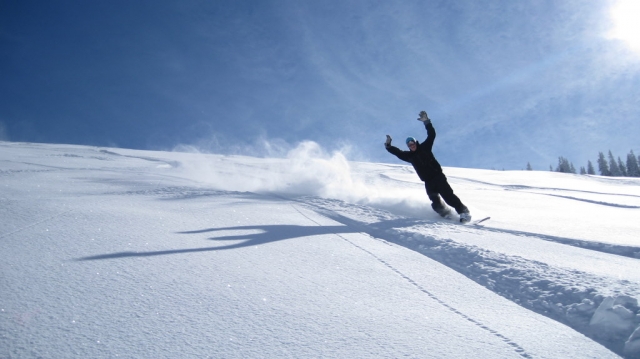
[472, 222]
[476, 222]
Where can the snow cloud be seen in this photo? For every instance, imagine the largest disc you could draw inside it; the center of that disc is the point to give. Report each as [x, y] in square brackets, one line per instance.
[309, 170]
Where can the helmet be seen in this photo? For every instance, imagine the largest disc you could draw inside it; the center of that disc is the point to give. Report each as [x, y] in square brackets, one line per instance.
[410, 139]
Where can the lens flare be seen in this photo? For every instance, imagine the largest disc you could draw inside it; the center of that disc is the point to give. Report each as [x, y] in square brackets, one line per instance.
[626, 20]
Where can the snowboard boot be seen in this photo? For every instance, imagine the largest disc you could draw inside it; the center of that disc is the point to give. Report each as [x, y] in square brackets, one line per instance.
[465, 217]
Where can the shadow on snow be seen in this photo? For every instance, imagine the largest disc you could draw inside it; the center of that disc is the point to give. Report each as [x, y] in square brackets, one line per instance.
[269, 234]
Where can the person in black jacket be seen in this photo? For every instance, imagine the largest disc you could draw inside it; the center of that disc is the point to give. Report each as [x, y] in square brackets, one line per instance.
[430, 171]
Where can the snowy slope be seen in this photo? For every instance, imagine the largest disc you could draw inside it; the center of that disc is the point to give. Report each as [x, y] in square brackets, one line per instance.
[139, 254]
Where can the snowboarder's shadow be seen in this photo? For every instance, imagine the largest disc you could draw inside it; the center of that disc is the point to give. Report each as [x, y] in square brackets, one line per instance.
[271, 233]
[274, 233]
[264, 234]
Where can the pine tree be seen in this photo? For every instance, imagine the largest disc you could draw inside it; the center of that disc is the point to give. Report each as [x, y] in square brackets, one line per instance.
[582, 170]
[632, 165]
[590, 170]
[529, 167]
[603, 166]
[613, 166]
[565, 166]
[622, 167]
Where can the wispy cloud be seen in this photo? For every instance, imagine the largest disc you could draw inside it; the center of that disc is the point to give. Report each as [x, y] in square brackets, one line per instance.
[506, 82]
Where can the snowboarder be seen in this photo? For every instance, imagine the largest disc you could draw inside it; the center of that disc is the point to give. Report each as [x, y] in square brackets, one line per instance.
[430, 172]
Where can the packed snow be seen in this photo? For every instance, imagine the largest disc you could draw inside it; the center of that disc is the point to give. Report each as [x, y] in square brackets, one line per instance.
[112, 252]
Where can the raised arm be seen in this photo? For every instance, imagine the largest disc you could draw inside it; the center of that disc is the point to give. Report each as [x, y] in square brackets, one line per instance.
[431, 135]
[431, 132]
[395, 150]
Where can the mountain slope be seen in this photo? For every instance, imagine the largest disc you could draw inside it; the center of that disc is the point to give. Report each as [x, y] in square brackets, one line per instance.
[110, 252]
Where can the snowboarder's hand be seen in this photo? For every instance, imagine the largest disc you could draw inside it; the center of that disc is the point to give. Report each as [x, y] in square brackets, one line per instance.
[388, 141]
[424, 117]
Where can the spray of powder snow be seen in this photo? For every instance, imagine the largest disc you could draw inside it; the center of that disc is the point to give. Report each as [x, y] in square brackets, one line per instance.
[308, 170]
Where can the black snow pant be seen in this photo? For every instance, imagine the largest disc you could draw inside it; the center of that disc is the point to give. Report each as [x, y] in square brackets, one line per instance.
[439, 187]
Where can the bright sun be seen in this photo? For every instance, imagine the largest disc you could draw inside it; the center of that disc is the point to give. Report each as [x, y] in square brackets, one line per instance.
[626, 21]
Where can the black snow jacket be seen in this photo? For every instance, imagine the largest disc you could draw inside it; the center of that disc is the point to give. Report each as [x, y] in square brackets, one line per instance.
[422, 159]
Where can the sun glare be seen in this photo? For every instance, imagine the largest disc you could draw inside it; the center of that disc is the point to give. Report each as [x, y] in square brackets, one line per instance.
[626, 20]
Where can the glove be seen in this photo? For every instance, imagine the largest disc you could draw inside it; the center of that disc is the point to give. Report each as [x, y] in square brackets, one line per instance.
[387, 143]
[424, 117]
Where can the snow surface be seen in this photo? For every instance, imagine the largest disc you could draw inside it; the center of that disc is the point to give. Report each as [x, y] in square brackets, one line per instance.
[138, 254]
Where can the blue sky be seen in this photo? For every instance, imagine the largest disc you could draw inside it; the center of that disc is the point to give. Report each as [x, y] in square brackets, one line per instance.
[505, 82]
